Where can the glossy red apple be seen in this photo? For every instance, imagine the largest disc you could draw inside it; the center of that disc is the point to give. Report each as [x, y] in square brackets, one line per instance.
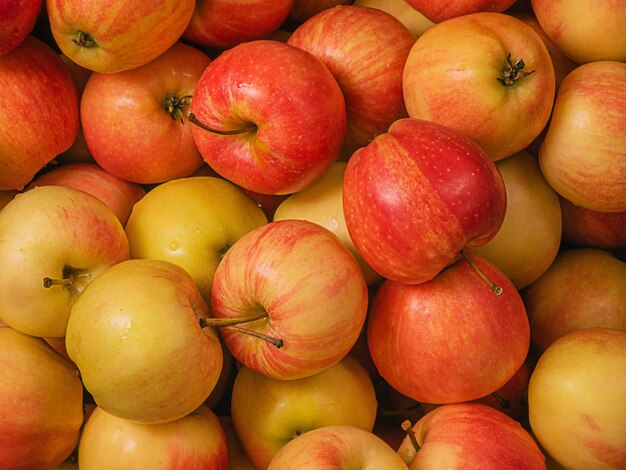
[17, 20]
[586, 228]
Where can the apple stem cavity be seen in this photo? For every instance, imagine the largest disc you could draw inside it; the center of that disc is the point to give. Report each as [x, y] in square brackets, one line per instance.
[176, 106]
[85, 40]
[495, 288]
[513, 71]
[248, 128]
[408, 428]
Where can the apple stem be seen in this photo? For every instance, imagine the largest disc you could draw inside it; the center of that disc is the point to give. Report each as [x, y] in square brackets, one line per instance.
[408, 428]
[277, 342]
[49, 282]
[246, 129]
[503, 402]
[513, 71]
[495, 288]
[219, 322]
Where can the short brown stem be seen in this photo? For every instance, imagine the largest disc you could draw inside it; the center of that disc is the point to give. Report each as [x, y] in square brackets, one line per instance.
[277, 342]
[221, 322]
[495, 288]
[408, 428]
[49, 282]
[249, 127]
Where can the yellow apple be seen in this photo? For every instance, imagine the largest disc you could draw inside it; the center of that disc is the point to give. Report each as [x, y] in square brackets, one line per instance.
[410, 17]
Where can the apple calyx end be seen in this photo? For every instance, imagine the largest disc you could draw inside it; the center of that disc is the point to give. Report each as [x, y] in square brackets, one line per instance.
[85, 40]
[246, 129]
[176, 106]
[495, 288]
[408, 428]
[513, 71]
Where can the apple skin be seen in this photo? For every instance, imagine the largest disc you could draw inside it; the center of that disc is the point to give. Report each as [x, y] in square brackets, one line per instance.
[441, 10]
[451, 77]
[129, 110]
[584, 32]
[471, 435]
[55, 232]
[294, 104]
[196, 441]
[127, 35]
[365, 49]
[268, 413]
[17, 21]
[406, 14]
[530, 236]
[237, 458]
[576, 399]
[33, 79]
[425, 350]
[586, 228]
[584, 287]
[582, 155]
[41, 403]
[192, 222]
[309, 289]
[223, 24]
[337, 447]
[136, 339]
[302, 10]
[417, 195]
[118, 194]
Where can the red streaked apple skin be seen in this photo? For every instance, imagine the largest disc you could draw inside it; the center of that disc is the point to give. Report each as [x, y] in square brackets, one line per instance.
[450, 339]
[586, 228]
[293, 100]
[17, 20]
[309, 284]
[417, 195]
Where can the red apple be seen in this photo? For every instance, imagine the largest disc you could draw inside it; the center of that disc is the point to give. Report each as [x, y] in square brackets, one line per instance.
[441, 10]
[302, 10]
[417, 195]
[111, 36]
[365, 49]
[38, 111]
[17, 21]
[135, 121]
[486, 75]
[450, 339]
[586, 228]
[285, 109]
[223, 24]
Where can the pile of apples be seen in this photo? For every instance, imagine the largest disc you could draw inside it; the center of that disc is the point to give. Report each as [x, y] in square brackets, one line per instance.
[312, 234]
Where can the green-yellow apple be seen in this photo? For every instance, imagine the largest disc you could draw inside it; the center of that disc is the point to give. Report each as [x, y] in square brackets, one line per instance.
[470, 436]
[136, 338]
[118, 194]
[585, 32]
[365, 49]
[530, 235]
[417, 195]
[408, 16]
[450, 339]
[337, 447]
[441, 10]
[583, 155]
[41, 403]
[487, 75]
[38, 111]
[587, 228]
[54, 241]
[322, 203]
[194, 441]
[584, 287]
[110, 36]
[281, 109]
[192, 222]
[17, 21]
[268, 413]
[576, 399]
[134, 121]
[298, 285]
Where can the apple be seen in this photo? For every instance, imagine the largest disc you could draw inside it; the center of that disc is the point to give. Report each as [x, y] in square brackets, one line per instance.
[295, 283]
[192, 222]
[584, 287]
[145, 110]
[417, 195]
[450, 339]
[268, 413]
[41, 399]
[587, 228]
[136, 338]
[223, 24]
[582, 155]
[470, 435]
[7, 196]
[487, 75]
[576, 399]
[55, 240]
[365, 49]
[38, 111]
[302, 10]
[282, 110]
[322, 203]
[585, 33]
[530, 236]
[237, 458]
[118, 194]
[406, 14]
[337, 447]
[109, 36]
[441, 10]
[17, 21]
[196, 440]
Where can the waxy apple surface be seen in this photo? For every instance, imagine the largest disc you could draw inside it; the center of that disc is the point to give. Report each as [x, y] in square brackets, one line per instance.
[17, 21]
